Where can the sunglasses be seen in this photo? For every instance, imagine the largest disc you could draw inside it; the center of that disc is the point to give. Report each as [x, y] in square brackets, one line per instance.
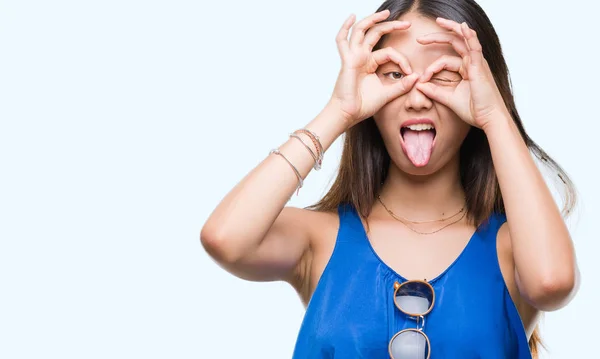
[414, 298]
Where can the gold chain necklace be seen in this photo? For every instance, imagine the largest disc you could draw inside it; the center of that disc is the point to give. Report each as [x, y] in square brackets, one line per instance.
[419, 232]
[421, 222]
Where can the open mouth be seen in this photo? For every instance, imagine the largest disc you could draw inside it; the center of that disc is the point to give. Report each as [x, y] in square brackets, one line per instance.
[417, 142]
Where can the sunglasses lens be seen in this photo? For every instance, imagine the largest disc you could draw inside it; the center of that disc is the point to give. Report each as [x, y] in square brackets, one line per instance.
[414, 298]
[410, 344]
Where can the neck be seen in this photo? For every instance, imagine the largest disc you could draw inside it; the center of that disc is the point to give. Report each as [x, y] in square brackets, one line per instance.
[424, 197]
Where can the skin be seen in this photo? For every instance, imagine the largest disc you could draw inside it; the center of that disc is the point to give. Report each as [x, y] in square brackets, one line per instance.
[450, 129]
[426, 69]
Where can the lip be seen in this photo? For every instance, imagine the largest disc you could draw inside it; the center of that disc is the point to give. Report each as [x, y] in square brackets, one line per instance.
[416, 121]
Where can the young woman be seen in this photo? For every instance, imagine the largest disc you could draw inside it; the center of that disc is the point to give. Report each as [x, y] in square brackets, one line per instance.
[439, 237]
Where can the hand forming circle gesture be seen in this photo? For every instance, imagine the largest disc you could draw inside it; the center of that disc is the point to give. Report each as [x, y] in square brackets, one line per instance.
[476, 98]
[358, 91]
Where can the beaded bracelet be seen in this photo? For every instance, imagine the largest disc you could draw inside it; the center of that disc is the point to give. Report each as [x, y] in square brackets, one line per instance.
[317, 166]
[316, 141]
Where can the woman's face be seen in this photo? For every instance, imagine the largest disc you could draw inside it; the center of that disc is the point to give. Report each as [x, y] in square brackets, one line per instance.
[435, 133]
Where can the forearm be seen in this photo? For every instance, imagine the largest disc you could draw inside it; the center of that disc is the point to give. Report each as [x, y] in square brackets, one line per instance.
[246, 213]
[542, 247]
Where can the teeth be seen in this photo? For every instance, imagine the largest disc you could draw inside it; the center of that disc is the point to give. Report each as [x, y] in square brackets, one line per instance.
[420, 127]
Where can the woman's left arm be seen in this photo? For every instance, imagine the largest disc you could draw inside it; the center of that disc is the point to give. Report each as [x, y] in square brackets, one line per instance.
[546, 270]
[545, 267]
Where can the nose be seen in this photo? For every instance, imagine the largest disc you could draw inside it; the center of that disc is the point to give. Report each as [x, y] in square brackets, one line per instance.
[417, 101]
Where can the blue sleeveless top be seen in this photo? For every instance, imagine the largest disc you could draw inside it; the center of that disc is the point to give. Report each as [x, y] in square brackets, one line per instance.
[352, 314]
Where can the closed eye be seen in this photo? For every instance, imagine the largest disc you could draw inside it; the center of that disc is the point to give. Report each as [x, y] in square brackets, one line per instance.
[446, 76]
[444, 80]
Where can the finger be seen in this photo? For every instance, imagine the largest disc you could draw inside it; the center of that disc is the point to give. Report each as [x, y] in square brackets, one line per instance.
[453, 27]
[388, 54]
[466, 63]
[342, 37]
[402, 87]
[445, 62]
[470, 36]
[458, 42]
[450, 25]
[375, 33]
[358, 31]
[473, 43]
[436, 93]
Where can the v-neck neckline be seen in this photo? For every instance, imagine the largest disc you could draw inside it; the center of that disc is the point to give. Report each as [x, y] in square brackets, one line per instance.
[401, 277]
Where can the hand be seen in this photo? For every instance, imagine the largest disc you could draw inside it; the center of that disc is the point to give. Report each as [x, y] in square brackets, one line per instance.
[359, 92]
[476, 99]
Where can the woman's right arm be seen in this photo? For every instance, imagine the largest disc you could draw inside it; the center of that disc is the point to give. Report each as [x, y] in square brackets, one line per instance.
[250, 233]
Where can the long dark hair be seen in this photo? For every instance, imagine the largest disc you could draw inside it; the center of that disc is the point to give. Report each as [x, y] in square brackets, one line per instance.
[364, 152]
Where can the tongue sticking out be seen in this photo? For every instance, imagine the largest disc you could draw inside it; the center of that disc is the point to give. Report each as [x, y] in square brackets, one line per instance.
[418, 146]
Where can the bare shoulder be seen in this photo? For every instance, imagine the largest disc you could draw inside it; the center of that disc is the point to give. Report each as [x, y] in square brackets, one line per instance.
[529, 315]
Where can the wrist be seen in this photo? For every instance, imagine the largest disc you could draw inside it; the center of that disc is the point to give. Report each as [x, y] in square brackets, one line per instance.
[329, 124]
[499, 122]
[334, 118]
[335, 110]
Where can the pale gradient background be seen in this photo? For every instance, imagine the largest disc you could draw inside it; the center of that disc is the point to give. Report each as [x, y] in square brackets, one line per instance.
[123, 123]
